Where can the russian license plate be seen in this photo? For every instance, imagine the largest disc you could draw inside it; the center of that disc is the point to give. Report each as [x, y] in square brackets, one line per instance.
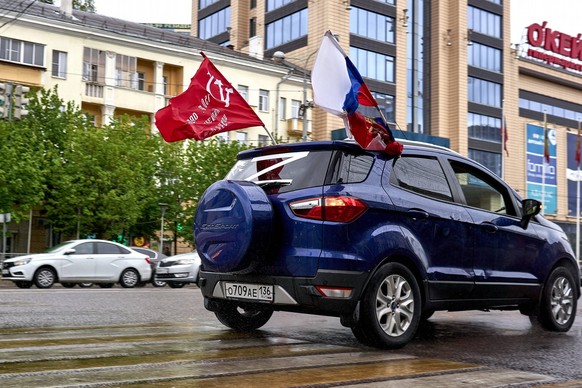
[162, 270]
[249, 291]
[5, 272]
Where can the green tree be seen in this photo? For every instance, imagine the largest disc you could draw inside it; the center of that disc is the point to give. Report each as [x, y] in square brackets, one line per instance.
[82, 5]
[21, 178]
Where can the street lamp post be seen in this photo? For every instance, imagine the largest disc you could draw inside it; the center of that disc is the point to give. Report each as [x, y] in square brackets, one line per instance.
[279, 57]
[163, 207]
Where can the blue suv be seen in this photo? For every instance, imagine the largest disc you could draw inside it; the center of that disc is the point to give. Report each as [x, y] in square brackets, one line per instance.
[381, 242]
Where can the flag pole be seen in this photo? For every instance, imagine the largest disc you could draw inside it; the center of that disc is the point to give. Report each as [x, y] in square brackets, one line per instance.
[271, 136]
[503, 129]
[544, 164]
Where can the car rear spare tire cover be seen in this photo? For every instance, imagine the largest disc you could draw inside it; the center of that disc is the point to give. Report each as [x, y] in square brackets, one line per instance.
[233, 226]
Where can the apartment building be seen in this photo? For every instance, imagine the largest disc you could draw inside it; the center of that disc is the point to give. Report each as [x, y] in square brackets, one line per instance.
[110, 67]
[440, 70]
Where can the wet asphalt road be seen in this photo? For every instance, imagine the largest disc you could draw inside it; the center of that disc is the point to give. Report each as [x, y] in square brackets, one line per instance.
[485, 344]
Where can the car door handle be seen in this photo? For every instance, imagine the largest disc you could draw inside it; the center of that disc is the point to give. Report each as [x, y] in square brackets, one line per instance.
[417, 214]
[489, 227]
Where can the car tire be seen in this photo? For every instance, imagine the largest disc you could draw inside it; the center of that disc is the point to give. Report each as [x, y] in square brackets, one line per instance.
[241, 318]
[105, 285]
[68, 285]
[558, 303]
[44, 277]
[233, 226]
[390, 311]
[23, 284]
[158, 283]
[176, 284]
[129, 278]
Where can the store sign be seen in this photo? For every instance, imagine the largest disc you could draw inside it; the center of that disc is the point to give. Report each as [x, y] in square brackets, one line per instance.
[541, 176]
[558, 48]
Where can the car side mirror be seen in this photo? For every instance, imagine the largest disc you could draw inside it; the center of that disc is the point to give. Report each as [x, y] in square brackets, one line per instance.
[530, 208]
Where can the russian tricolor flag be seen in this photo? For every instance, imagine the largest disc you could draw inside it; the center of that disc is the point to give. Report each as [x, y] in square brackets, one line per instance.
[339, 89]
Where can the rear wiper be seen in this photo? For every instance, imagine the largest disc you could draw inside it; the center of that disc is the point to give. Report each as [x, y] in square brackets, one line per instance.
[275, 183]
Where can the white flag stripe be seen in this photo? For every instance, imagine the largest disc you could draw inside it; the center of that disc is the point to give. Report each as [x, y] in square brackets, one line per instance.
[329, 78]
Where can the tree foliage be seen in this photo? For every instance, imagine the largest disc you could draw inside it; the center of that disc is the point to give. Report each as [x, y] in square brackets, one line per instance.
[82, 5]
[106, 181]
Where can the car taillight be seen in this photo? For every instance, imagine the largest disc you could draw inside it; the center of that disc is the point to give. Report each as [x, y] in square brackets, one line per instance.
[148, 259]
[336, 209]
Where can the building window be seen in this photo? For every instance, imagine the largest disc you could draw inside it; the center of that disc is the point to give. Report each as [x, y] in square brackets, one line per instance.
[371, 25]
[59, 64]
[385, 104]
[553, 109]
[491, 160]
[282, 108]
[253, 4]
[263, 100]
[484, 22]
[485, 57]
[263, 140]
[20, 51]
[373, 65]
[140, 80]
[386, 1]
[241, 137]
[253, 27]
[214, 24]
[93, 65]
[125, 71]
[286, 29]
[483, 127]
[206, 3]
[165, 84]
[274, 4]
[243, 91]
[484, 92]
[295, 105]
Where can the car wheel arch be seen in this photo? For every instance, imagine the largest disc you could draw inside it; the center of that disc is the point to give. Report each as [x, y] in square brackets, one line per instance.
[139, 277]
[413, 265]
[52, 268]
[570, 265]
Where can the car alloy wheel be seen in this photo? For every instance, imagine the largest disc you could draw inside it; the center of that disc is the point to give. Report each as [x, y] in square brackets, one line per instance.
[559, 301]
[44, 278]
[129, 278]
[390, 308]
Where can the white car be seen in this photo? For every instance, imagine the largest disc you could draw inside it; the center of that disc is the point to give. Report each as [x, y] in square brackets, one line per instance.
[179, 270]
[80, 261]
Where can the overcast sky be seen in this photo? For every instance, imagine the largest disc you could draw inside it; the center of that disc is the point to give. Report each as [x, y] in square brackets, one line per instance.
[561, 15]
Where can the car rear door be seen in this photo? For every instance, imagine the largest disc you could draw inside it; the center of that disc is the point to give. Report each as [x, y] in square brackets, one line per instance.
[111, 261]
[437, 228]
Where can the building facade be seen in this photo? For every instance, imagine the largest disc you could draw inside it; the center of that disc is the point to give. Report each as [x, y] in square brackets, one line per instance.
[445, 69]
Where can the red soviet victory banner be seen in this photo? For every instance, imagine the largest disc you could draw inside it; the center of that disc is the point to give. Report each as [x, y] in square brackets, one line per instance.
[209, 106]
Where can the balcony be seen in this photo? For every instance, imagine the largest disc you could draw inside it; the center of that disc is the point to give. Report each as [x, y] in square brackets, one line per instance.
[93, 89]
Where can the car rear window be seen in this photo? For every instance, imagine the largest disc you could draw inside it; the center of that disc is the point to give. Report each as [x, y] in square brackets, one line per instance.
[284, 172]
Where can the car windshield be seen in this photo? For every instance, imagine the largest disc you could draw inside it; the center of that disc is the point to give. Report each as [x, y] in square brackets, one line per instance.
[59, 247]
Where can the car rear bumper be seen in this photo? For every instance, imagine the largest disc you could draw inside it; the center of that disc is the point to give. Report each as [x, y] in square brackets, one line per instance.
[296, 294]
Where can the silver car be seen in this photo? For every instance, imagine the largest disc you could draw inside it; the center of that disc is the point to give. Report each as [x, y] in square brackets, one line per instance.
[179, 270]
[79, 261]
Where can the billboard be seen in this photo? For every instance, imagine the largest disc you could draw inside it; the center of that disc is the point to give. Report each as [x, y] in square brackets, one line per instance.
[572, 173]
[541, 176]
